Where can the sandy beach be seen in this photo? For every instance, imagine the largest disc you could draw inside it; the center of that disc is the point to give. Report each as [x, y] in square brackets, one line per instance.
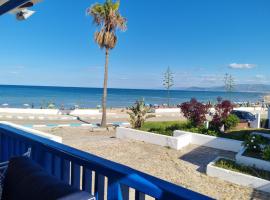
[185, 167]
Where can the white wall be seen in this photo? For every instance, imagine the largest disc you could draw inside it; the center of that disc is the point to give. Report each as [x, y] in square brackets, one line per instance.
[180, 139]
[48, 111]
[35, 132]
[251, 109]
[29, 111]
[167, 110]
[257, 122]
[152, 138]
[237, 178]
[212, 141]
[85, 112]
[252, 162]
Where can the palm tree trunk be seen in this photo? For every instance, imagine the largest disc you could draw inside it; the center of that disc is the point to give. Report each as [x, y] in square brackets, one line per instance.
[105, 86]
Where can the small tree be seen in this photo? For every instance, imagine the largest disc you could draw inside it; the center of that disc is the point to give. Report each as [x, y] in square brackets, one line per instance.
[229, 83]
[138, 114]
[168, 82]
[195, 111]
[223, 110]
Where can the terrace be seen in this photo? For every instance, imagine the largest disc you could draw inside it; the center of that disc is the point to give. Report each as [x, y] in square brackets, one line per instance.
[87, 172]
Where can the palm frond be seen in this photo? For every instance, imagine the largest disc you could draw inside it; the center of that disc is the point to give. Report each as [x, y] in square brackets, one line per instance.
[108, 18]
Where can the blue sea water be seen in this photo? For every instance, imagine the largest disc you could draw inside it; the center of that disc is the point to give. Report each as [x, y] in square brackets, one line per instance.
[39, 96]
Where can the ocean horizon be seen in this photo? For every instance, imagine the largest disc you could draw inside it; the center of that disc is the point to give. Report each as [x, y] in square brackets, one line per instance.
[40, 96]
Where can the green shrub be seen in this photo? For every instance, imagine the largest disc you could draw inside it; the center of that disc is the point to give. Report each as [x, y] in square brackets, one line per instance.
[253, 143]
[231, 122]
[266, 153]
[212, 132]
[138, 114]
[173, 127]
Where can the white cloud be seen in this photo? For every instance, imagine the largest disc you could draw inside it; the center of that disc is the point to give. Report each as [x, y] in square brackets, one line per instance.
[241, 66]
[260, 76]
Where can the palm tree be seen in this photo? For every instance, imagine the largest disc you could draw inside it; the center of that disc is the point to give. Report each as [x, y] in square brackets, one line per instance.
[108, 18]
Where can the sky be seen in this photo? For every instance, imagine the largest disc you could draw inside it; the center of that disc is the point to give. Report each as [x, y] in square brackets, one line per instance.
[200, 40]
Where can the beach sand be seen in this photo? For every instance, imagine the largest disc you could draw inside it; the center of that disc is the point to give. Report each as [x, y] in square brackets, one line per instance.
[185, 167]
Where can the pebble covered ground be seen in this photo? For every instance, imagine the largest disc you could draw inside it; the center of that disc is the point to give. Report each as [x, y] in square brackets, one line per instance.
[185, 167]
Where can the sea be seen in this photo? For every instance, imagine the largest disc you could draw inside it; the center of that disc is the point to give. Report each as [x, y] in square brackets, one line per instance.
[41, 96]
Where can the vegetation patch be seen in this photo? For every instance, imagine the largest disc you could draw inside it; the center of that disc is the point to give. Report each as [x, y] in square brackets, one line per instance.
[167, 128]
[233, 166]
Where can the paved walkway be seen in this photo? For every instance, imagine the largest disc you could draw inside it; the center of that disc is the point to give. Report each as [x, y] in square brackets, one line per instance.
[185, 167]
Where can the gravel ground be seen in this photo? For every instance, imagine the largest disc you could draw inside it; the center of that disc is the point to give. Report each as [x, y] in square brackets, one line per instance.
[186, 167]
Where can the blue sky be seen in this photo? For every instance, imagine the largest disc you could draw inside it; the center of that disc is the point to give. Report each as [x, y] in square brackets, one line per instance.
[200, 40]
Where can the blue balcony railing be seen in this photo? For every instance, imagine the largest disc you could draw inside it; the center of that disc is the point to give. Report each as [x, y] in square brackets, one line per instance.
[103, 178]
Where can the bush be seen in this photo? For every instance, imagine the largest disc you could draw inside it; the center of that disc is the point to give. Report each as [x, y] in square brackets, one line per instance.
[138, 114]
[266, 153]
[231, 122]
[223, 109]
[253, 143]
[195, 111]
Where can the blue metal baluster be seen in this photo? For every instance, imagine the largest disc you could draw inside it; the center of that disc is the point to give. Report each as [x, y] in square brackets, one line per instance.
[125, 192]
[4, 145]
[99, 186]
[116, 191]
[10, 147]
[57, 167]
[139, 195]
[75, 175]
[17, 147]
[65, 172]
[47, 162]
[87, 180]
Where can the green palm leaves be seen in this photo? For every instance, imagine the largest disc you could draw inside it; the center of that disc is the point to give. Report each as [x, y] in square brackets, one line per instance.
[138, 114]
[108, 18]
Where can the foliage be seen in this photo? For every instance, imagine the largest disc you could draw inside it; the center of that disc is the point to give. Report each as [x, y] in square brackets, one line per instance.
[231, 121]
[138, 114]
[168, 82]
[164, 128]
[232, 165]
[266, 153]
[223, 109]
[195, 111]
[167, 128]
[253, 143]
[108, 18]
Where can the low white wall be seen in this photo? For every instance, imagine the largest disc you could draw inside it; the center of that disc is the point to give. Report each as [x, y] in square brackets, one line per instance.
[251, 109]
[237, 178]
[168, 141]
[180, 139]
[212, 141]
[48, 111]
[85, 112]
[29, 111]
[167, 110]
[35, 132]
[252, 162]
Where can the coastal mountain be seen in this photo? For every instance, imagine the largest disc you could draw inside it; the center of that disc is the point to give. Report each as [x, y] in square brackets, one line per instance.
[238, 88]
